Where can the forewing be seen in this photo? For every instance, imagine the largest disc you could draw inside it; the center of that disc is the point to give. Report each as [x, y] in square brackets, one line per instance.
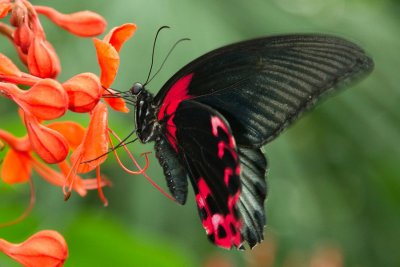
[207, 147]
[261, 86]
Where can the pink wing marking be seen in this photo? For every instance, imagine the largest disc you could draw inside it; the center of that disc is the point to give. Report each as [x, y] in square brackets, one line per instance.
[228, 172]
[217, 122]
[212, 222]
[175, 95]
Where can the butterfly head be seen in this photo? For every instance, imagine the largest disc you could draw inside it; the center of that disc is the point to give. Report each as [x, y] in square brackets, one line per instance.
[136, 89]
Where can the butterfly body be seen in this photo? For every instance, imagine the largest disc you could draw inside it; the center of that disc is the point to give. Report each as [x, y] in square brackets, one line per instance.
[210, 120]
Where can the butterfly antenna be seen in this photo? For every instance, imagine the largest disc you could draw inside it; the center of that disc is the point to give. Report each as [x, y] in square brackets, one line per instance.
[152, 54]
[115, 147]
[169, 53]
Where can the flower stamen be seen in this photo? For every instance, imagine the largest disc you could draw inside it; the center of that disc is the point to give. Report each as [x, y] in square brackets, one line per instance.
[137, 165]
[99, 189]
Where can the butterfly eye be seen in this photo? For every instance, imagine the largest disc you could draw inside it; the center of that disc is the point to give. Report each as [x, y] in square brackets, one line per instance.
[136, 88]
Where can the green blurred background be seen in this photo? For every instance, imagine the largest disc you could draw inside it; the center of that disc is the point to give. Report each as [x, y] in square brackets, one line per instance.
[334, 177]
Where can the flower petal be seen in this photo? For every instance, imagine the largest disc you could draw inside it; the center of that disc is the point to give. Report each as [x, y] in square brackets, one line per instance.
[117, 104]
[71, 130]
[48, 144]
[84, 91]
[118, 35]
[23, 36]
[16, 167]
[5, 6]
[95, 142]
[108, 60]
[83, 23]
[56, 178]
[45, 248]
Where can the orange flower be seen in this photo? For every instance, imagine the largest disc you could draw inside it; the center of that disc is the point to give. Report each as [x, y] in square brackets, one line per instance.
[19, 161]
[84, 92]
[83, 23]
[95, 141]
[46, 99]
[45, 248]
[108, 57]
[93, 148]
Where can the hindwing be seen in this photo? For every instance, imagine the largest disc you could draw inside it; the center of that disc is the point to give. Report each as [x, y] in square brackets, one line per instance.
[208, 150]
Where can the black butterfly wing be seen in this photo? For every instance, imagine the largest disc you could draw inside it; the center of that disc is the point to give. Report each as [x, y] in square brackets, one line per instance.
[207, 148]
[257, 88]
[261, 86]
[253, 193]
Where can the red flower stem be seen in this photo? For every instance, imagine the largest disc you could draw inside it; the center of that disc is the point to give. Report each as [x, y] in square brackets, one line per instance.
[137, 165]
[7, 31]
[19, 144]
[27, 211]
[44, 10]
[49, 12]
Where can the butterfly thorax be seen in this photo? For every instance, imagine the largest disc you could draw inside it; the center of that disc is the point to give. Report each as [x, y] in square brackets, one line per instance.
[145, 119]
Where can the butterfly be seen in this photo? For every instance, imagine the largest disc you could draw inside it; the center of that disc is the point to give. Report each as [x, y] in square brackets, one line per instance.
[211, 119]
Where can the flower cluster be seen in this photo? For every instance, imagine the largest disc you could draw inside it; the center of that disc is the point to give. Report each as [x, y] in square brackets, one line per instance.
[66, 144]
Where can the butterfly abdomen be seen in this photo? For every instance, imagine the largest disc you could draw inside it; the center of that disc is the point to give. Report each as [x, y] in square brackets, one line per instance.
[174, 170]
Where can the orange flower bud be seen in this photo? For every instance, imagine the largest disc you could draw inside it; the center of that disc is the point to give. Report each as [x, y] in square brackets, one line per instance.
[45, 248]
[83, 23]
[8, 67]
[48, 144]
[42, 59]
[23, 36]
[46, 100]
[84, 92]
[19, 14]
